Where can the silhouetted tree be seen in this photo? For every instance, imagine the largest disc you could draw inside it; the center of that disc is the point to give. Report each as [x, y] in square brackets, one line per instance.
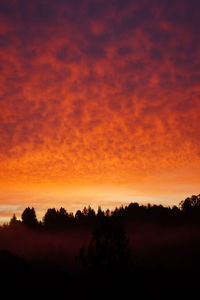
[29, 217]
[107, 260]
[100, 213]
[49, 219]
[107, 251]
[78, 215]
[13, 221]
[62, 218]
[191, 208]
[85, 211]
[56, 219]
[108, 213]
[91, 213]
[190, 203]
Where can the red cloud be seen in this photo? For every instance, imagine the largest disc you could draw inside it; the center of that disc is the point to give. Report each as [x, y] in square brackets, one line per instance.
[97, 93]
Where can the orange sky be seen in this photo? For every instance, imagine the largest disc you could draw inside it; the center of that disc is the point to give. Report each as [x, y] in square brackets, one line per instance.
[100, 103]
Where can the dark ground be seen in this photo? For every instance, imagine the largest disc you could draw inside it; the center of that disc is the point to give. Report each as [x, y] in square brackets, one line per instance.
[165, 264]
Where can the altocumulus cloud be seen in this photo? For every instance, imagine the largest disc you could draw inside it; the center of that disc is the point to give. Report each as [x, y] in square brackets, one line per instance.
[98, 90]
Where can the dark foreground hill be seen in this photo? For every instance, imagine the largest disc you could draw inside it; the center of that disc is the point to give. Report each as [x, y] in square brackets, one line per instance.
[135, 252]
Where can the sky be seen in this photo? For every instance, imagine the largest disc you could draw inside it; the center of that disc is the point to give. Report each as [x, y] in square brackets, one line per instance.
[99, 103]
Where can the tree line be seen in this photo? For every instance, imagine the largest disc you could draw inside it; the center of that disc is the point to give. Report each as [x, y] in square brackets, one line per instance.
[60, 219]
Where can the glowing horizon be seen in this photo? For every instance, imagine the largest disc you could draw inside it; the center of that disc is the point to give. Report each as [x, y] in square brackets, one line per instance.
[100, 103]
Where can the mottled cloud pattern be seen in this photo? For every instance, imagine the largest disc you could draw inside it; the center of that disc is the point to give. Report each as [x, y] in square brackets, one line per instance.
[98, 91]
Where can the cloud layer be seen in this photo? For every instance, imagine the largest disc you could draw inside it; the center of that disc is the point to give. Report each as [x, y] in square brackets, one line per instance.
[98, 91]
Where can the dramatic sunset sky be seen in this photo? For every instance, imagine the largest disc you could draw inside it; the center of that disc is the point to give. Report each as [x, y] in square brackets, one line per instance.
[99, 103]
